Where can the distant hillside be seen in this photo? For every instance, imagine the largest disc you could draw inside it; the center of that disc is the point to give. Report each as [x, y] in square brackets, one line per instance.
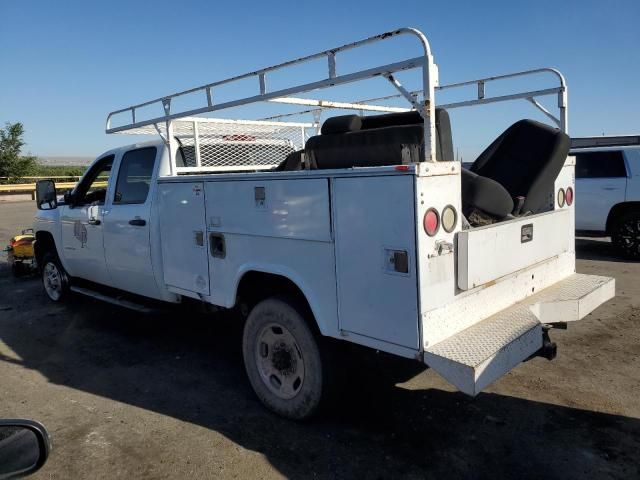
[65, 161]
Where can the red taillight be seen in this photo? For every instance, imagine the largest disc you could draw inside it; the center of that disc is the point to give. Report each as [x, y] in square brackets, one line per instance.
[431, 222]
[569, 196]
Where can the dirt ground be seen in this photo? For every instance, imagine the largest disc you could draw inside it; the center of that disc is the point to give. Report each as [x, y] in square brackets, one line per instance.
[131, 396]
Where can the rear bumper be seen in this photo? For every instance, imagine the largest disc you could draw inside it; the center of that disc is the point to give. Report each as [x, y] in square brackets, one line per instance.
[475, 357]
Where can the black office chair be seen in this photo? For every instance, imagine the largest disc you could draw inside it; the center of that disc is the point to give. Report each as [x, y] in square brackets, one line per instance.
[515, 174]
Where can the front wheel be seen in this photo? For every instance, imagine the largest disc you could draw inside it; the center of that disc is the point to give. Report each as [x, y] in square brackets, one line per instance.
[625, 235]
[282, 358]
[54, 278]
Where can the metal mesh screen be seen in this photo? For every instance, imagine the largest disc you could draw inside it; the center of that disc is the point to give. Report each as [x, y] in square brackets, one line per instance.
[231, 144]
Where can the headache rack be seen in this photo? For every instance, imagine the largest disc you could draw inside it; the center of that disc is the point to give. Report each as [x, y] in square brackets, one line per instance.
[212, 144]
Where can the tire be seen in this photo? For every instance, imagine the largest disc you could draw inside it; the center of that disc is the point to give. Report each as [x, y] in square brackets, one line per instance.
[625, 235]
[55, 280]
[283, 360]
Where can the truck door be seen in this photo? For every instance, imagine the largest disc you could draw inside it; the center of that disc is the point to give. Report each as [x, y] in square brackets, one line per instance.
[127, 242]
[82, 225]
[601, 181]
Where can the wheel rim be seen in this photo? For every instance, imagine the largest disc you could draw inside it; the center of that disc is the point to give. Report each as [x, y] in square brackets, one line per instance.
[52, 280]
[629, 237]
[279, 361]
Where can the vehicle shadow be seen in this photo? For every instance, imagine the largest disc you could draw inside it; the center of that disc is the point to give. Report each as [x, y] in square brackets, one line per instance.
[598, 249]
[190, 368]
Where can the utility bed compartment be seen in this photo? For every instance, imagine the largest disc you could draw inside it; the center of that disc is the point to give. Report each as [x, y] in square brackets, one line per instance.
[490, 252]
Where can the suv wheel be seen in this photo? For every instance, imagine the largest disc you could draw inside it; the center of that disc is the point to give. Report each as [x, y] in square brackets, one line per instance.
[283, 359]
[625, 235]
[54, 278]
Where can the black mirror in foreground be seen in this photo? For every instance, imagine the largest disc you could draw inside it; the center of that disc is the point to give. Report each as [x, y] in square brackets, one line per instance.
[46, 196]
[24, 448]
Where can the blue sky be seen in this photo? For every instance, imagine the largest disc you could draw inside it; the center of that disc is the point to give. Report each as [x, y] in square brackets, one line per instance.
[66, 64]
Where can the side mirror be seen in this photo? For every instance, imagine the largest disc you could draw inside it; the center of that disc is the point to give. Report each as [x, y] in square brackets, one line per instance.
[24, 448]
[46, 198]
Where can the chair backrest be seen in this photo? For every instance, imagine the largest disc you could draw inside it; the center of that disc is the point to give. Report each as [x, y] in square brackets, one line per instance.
[444, 139]
[376, 140]
[526, 159]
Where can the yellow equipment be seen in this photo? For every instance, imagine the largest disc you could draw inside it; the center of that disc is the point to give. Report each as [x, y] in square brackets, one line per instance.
[20, 253]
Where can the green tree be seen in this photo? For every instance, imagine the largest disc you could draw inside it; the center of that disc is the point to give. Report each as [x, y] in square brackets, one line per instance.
[12, 163]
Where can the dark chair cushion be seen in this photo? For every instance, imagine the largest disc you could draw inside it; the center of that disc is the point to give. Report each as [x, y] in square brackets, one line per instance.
[444, 139]
[485, 194]
[376, 141]
[526, 159]
[364, 148]
[391, 120]
[341, 124]
[293, 162]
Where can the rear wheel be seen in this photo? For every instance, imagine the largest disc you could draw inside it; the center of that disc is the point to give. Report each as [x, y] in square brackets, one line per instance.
[54, 278]
[625, 235]
[283, 359]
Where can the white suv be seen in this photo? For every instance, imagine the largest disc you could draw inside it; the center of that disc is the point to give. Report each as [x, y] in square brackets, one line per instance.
[608, 190]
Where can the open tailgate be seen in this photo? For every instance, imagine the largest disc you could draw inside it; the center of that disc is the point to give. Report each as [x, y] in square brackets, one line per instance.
[488, 253]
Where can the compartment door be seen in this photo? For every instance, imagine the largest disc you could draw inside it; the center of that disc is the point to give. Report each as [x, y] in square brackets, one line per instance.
[182, 234]
[375, 258]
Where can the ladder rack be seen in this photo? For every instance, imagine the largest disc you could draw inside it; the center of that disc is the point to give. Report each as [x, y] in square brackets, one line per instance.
[184, 135]
[262, 94]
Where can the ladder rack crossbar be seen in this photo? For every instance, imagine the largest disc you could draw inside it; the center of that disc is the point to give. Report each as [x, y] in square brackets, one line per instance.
[413, 63]
[482, 98]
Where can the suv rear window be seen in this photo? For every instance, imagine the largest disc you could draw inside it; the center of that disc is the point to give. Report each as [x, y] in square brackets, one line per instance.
[600, 164]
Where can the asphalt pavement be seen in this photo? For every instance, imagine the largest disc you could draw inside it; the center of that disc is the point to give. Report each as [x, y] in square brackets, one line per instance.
[131, 396]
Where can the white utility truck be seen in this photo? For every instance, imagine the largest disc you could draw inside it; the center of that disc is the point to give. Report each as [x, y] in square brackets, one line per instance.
[361, 229]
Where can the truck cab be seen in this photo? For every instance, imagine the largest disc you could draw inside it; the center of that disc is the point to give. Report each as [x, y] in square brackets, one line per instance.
[104, 232]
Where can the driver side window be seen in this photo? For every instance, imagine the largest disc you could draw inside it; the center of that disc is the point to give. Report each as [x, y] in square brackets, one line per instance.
[93, 189]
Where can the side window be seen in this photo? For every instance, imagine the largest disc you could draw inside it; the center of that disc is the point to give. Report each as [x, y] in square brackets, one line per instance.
[600, 165]
[134, 176]
[93, 189]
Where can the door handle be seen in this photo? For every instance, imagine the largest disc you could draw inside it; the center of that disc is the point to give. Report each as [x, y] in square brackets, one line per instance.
[137, 222]
[94, 221]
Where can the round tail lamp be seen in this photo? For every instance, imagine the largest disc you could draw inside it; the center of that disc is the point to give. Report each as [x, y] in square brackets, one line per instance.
[449, 218]
[561, 198]
[431, 222]
[569, 196]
